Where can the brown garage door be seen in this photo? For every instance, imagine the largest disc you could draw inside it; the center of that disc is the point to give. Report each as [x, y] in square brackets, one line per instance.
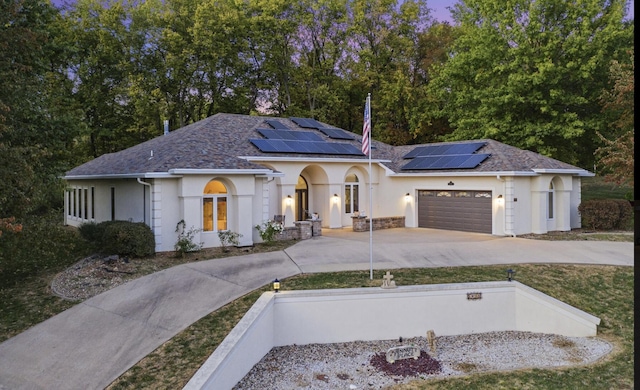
[468, 211]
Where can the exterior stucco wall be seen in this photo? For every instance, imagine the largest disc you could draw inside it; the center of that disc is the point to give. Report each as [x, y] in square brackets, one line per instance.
[392, 201]
[166, 213]
[251, 200]
[129, 201]
[575, 199]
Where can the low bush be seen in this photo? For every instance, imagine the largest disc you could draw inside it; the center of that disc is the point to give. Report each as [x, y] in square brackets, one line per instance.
[606, 214]
[228, 238]
[268, 230]
[126, 238]
[186, 243]
[123, 238]
[42, 244]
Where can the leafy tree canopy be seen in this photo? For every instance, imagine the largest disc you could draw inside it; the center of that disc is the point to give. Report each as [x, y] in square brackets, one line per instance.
[529, 73]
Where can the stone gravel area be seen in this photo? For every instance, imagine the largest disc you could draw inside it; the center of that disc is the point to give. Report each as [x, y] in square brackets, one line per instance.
[92, 276]
[349, 365]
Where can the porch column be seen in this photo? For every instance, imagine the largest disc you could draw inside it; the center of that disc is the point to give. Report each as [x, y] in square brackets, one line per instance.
[244, 207]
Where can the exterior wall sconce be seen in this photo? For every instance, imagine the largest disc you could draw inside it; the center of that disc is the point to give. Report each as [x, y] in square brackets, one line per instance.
[500, 199]
[335, 198]
[276, 285]
[289, 200]
[510, 274]
[407, 197]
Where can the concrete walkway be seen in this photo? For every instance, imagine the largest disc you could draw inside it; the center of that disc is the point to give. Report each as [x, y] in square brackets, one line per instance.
[94, 342]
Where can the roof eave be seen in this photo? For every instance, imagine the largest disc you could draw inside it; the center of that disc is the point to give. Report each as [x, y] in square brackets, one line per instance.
[195, 171]
[172, 173]
[574, 172]
[470, 173]
[312, 159]
[141, 175]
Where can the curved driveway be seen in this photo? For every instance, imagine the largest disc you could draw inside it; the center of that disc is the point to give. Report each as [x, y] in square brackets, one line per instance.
[94, 342]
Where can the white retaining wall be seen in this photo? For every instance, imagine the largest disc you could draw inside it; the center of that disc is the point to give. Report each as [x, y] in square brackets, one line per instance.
[342, 315]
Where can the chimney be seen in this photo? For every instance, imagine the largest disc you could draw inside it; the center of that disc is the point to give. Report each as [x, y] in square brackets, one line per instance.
[166, 126]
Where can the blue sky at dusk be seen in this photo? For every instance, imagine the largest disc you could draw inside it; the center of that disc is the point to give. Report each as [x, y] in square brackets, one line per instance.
[438, 8]
[441, 13]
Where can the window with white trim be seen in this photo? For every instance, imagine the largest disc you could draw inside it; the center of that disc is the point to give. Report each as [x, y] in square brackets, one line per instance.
[214, 207]
[351, 194]
[80, 203]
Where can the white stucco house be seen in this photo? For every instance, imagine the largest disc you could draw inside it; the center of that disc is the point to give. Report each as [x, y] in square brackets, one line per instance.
[232, 172]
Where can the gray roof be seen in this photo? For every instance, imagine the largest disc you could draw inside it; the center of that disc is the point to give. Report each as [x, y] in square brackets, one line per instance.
[219, 142]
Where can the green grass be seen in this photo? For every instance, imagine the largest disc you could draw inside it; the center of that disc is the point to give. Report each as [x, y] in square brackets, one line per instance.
[597, 188]
[30, 260]
[604, 291]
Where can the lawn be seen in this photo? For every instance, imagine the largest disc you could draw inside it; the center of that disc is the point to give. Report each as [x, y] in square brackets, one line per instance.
[30, 261]
[604, 291]
[597, 188]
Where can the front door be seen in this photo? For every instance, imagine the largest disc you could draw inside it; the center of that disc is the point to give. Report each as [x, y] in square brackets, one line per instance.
[302, 200]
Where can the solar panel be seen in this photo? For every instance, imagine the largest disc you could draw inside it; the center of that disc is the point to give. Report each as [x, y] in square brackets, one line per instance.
[446, 149]
[264, 145]
[331, 132]
[335, 133]
[276, 124]
[474, 160]
[464, 161]
[309, 147]
[289, 134]
[303, 122]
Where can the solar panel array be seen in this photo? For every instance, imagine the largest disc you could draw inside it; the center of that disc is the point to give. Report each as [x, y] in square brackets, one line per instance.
[445, 150]
[448, 156]
[463, 161]
[281, 139]
[330, 132]
[312, 147]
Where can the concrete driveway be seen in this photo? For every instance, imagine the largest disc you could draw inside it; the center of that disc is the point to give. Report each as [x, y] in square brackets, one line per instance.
[94, 342]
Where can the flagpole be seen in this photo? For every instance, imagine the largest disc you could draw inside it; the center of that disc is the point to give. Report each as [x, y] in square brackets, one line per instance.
[370, 195]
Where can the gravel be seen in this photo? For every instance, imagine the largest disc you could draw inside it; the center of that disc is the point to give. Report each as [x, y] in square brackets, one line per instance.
[361, 364]
[92, 276]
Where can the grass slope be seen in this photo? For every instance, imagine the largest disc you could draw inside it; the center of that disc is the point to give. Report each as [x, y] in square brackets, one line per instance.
[604, 291]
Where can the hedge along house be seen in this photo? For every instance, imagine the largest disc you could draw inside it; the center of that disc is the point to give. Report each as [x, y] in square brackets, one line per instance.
[233, 172]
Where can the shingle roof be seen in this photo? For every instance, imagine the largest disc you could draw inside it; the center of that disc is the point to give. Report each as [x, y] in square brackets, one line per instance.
[219, 141]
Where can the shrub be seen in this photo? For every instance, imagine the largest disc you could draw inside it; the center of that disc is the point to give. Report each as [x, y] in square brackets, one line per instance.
[626, 213]
[126, 238]
[227, 238]
[606, 214]
[43, 244]
[93, 232]
[268, 230]
[185, 243]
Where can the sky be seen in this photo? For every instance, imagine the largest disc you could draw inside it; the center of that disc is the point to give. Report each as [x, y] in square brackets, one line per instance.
[439, 8]
[441, 13]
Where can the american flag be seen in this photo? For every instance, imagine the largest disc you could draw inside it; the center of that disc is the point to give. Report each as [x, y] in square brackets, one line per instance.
[366, 127]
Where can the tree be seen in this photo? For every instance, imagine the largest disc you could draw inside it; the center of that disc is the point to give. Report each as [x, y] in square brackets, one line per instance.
[385, 38]
[529, 73]
[100, 72]
[38, 122]
[616, 156]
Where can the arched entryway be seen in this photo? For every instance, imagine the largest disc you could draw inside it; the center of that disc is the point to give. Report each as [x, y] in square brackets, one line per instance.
[302, 199]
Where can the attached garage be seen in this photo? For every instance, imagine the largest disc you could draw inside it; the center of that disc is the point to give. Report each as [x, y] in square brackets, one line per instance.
[468, 211]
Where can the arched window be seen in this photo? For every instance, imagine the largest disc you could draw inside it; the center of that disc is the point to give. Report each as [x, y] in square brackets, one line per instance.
[351, 196]
[214, 207]
[550, 203]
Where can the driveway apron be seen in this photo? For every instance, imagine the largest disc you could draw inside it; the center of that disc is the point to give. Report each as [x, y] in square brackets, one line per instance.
[96, 341]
